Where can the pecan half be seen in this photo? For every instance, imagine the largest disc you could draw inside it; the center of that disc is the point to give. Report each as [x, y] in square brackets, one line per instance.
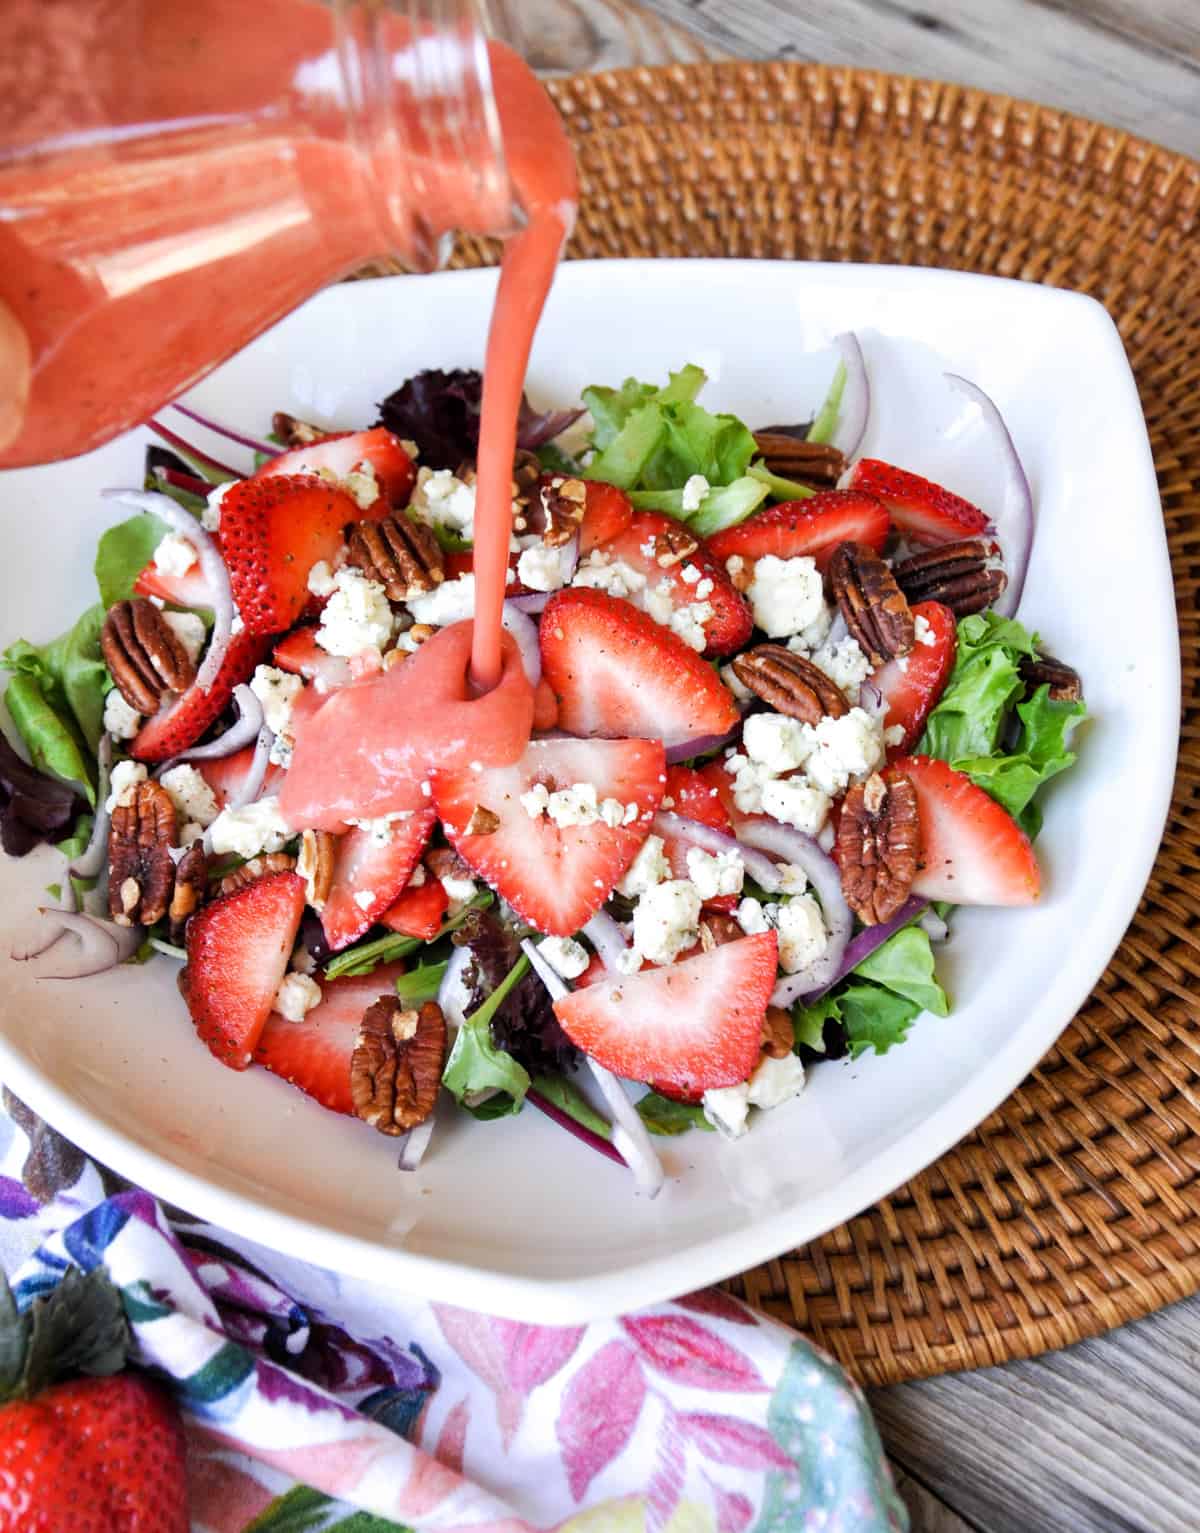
[717, 928]
[483, 822]
[790, 684]
[813, 463]
[1064, 681]
[778, 1033]
[293, 432]
[873, 605]
[556, 510]
[191, 885]
[879, 843]
[959, 575]
[141, 873]
[444, 862]
[258, 867]
[402, 555]
[144, 655]
[315, 865]
[672, 546]
[396, 1068]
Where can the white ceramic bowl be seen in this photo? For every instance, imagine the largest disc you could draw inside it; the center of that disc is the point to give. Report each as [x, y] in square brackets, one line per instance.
[514, 1216]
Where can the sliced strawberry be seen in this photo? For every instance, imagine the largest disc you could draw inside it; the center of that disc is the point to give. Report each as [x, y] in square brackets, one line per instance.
[618, 673]
[606, 514]
[187, 590]
[343, 452]
[184, 719]
[811, 529]
[237, 954]
[300, 653]
[315, 1054]
[911, 687]
[698, 579]
[364, 864]
[694, 798]
[461, 561]
[972, 851]
[419, 912]
[554, 878]
[691, 1026]
[226, 775]
[273, 530]
[923, 511]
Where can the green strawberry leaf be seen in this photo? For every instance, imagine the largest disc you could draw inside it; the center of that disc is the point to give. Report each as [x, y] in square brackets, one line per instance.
[78, 1327]
[303, 1510]
[14, 1341]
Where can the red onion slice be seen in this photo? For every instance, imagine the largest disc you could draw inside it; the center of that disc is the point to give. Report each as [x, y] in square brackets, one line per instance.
[759, 866]
[90, 861]
[531, 601]
[268, 449]
[416, 1142]
[212, 566]
[572, 1125]
[607, 938]
[525, 631]
[102, 944]
[794, 847]
[630, 1138]
[181, 445]
[701, 745]
[856, 396]
[453, 997]
[1014, 519]
[251, 785]
[861, 947]
[235, 738]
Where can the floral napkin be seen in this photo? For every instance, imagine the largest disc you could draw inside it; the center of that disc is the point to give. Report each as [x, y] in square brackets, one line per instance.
[315, 1401]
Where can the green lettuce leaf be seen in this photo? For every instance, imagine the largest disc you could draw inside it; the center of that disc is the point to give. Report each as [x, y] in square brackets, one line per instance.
[778, 487]
[123, 553]
[826, 420]
[904, 965]
[875, 1018]
[983, 686]
[567, 1097]
[51, 736]
[70, 675]
[808, 1022]
[476, 1064]
[302, 1510]
[663, 1116]
[421, 984]
[724, 506]
[880, 999]
[1042, 752]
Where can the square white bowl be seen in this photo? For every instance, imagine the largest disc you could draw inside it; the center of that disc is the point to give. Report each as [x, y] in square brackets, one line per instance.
[515, 1217]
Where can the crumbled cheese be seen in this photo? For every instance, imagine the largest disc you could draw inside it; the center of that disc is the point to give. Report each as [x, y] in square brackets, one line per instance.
[794, 801]
[792, 879]
[451, 602]
[749, 780]
[751, 917]
[410, 447]
[458, 891]
[801, 931]
[600, 572]
[727, 1108]
[191, 832]
[666, 920]
[297, 996]
[320, 579]
[277, 691]
[545, 569]
[694, 491]
[785, 595]
[418, 878]
[174, 555]
[255, 828]
[357, 615]
[364, 898]
[380, 830]
[124, 779]
[362, 485]
[738, 687]
[843, 749]
[120, 720]
[576, 805]
[924, 632]
[628, 962]
[238, 623]
[690, 574]
[210, 517]
[844, 663]
[564, 955]
[774, 1082]
[894, 734]
[814, 634]
[648, 868]
[688, 622]
[775, 741]
[441, 499]
[302, 961]
[189, 630]
[190, 793]
[715, 873]
[536, 801]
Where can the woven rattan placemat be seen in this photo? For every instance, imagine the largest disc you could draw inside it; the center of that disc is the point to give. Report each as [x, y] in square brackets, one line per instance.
[1076, 1205]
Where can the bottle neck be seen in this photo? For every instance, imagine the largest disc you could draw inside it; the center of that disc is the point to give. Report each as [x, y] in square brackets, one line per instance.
[421, 107]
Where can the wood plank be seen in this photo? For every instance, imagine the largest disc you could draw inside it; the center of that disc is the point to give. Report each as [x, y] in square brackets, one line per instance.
[927, 1512]
[1103, 1436]
[1101, 58]
[562, 36]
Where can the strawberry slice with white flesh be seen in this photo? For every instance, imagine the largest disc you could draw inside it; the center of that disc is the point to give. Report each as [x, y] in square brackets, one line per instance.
[299, 653]
[910, 688]
[314, 1055]
[553, 873]
[187, 590]
[972, 851]
[924, 512]
[805, 529]
[343, 452]
[226, 775]
[371, 867]
[692, 1026]
[237, 954]
[617, 673]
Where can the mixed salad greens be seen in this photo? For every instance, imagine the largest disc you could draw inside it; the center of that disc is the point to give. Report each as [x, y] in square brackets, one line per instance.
[707, 844]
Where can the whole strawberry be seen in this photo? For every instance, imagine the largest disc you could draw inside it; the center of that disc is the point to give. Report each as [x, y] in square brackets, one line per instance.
[103, 1453]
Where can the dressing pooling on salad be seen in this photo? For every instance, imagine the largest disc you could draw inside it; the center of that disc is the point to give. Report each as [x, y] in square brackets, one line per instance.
[762, 714]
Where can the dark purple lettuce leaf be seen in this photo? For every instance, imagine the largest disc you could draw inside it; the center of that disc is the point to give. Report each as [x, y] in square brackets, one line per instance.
[439, 411]
[525, 1025]
[33, 807]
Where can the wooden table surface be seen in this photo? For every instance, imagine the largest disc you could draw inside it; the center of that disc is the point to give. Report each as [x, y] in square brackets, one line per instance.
[1105, 1436]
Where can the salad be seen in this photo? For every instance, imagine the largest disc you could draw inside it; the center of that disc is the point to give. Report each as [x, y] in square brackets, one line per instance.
[784, 720]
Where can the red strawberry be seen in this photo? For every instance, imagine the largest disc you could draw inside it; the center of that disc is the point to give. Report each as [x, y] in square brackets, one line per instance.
[619, 673]
[812, 528]
[300, 653]
[343, 452]
[641, 546]
[419, 911]
[606, 514]
[691, 1026]
[923, 511]
[273, 530]
[972, 851]
[184, 719]
[188, 590]
[694, 798]
[545, 706]
[237, 954]
[315, 1054]
[911, 687]
[226, 775]
[365, 865]
[554, 878]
